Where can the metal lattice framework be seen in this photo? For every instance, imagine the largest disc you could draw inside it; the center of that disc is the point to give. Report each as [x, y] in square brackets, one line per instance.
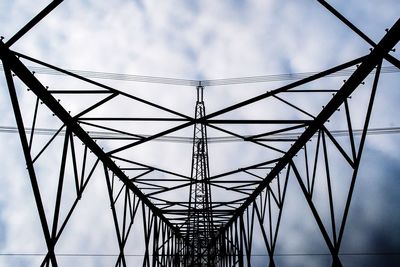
[198, 228]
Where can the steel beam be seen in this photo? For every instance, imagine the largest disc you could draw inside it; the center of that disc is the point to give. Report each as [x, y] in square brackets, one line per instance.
[29, 165]
[343, 19]
[10, 59]
[33, 22]
[366, 67]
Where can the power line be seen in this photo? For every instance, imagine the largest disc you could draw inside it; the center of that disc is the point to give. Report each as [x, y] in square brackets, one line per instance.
[190, 82]
[286, 77]
[257, 255]
[115, 76]
[186, 139]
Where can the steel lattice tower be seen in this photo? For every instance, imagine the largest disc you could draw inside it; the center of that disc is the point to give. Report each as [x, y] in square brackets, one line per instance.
[200, 227]
[200, 224]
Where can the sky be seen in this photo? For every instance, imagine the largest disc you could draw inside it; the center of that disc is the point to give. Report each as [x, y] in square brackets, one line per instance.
[200, 40]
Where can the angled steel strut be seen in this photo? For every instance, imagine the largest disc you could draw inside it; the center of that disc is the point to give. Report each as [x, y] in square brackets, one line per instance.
[373, 60]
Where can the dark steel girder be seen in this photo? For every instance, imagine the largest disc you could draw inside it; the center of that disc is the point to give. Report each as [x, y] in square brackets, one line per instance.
[342, 18]
[367, 66]
[23, 73]
[33, 22]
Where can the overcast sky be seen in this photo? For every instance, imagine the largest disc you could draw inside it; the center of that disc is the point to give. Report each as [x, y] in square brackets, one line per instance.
[200, 40]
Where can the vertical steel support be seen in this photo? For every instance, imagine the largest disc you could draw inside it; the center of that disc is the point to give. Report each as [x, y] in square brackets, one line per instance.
[29, 163]
[200, 222]
[359, 154]
[121, 256]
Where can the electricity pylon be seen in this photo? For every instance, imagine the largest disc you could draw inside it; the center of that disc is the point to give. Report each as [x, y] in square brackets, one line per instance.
[200, 219]
[301, 147]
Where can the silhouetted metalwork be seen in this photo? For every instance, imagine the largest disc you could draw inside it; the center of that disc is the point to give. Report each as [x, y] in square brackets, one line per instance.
[198, 230]
[199, 227]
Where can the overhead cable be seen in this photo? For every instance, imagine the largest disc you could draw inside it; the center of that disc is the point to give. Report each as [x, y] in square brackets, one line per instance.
[190, 82]
[187, 139]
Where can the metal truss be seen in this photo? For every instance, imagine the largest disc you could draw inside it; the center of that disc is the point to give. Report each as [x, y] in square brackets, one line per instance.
[199, 225]
[197, 228]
